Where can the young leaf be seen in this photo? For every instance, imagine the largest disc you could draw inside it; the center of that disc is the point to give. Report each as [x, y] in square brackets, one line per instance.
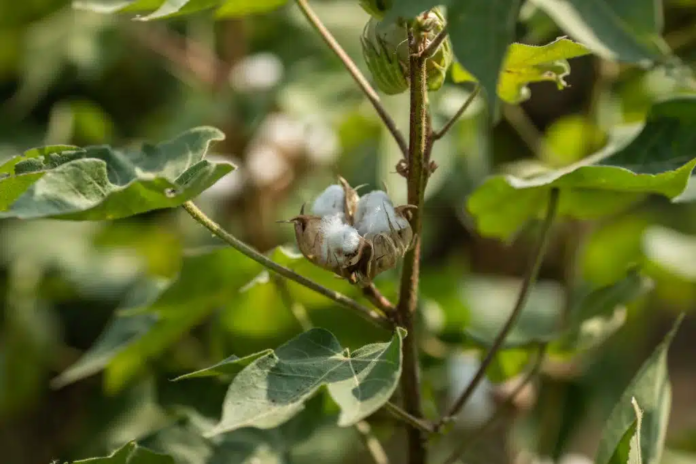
[525, 64]
[481, 31]
[626, 30]
[656, 158]
[652, 391]
[97, 183]
[130, 453]
[274, 388]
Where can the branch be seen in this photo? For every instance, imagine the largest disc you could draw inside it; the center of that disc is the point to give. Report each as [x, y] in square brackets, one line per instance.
[433, 46]
[380, 301]
[408, 291]
[372, 444]
[271, 265]
[498, 414]
[402, 415]
[529, 279]
[472, 96]
[355, 72]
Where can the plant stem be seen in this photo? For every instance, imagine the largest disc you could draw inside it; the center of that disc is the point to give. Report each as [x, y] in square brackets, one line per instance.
[402, 415]
[408, 292]
[380, 301]
[472, 96]
[527, 283]
[372, 444]
[495, 417]
[271, 265]
[354, 71]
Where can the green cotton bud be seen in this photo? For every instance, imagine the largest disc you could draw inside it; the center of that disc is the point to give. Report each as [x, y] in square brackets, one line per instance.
[376, 8]
[385, 49]
[431, 24]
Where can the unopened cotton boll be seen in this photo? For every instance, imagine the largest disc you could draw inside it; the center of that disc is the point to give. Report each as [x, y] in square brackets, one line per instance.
[330, 201]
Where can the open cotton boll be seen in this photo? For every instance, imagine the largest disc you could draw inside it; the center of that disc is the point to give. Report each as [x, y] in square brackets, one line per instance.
[376, 215]
[341, 241]
[330, 201]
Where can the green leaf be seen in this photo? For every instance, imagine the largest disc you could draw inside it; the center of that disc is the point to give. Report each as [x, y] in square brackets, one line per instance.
[130, 453]
[480, 31]
[656, 158]
[274, 388]
[155, 319]
[628, 451]
[492, 299]
[652, 391]
[118, 334]
[525, 64]
[229, 366]
[625, 30]
[169, 8]
[98, 183]
[412, 8]
[507, 364]
[600, 312]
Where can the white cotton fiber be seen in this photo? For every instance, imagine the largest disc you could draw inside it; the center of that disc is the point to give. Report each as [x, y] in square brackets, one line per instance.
[331, 201]
[340, 239]
[376, 215]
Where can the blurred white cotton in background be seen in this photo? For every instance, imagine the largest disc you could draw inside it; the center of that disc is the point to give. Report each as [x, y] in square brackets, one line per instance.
[266, 165]
[321, 142]
[283, 131]
[258, 72]
[461, 369]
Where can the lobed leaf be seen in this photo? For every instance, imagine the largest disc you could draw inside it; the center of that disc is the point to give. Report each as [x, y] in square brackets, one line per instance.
[96, 183]
[274, 387]
[655, 158]
[651, 389]
[525, 64]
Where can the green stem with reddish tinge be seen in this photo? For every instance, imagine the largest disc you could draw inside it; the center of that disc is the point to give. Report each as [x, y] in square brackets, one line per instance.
[408, 293]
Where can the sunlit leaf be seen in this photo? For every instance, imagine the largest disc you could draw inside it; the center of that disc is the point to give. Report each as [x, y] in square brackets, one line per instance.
[525, 64]
[274, 388]
[229, 366]
[626, 30]
[98, 182]
[507, 364]
[656, 158]
[168, 8]
[628, 451]
[130, 453]
[652, 391]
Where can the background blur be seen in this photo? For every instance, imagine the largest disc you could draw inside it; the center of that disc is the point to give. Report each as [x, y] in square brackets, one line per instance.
[294, 119]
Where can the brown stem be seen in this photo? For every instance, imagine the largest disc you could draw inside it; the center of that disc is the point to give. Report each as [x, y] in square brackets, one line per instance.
[355, 72]
[271, 265]
[408, 292]
[472, 96]
[380, 301]
[527, 283]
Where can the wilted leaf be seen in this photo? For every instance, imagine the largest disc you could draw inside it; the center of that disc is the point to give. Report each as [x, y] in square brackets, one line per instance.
[99, 182]
[652, 391]
[525, 64]
[626, 30]
[481, 31]
[130, 453]
[657, 158]
[274, 388]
